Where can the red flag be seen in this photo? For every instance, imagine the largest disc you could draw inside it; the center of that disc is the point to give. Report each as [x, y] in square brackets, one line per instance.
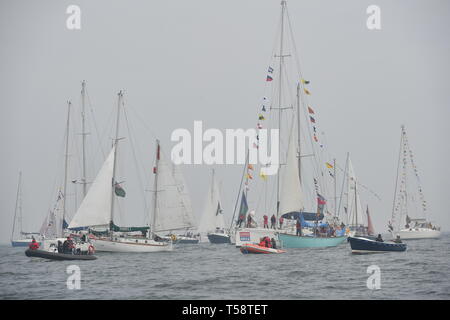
[310, 110]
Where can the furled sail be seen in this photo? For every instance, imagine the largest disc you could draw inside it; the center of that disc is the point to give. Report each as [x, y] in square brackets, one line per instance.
[95, 209]
[173, 209]
[291, 194]
[212, 217]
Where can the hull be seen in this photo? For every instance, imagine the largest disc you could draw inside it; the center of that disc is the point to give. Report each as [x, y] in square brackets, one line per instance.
[186, 240]
[57, 256]
[363, 245]
[21, 243]
[292, 241]
[419, 233]
[254, 248]
[253, 235]
[218, 238]
[131, 245]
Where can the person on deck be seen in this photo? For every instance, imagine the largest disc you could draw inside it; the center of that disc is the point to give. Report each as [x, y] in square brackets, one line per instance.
[298, 226]
[240, 220]
[33, 245]
[249, 221]
[379, 239]
[273, 222]
[281, 222]
[266, 221]
[398, 240]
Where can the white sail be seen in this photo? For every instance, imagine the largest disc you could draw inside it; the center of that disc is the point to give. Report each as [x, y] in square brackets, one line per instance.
[212, 217]
[184, 194]
[95, 209]
[173, 211]
[355, 212]
[291, 194]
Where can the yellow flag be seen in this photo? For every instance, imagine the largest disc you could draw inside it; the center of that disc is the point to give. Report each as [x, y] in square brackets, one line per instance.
[306, 91]
[263, 175]
[329, 166]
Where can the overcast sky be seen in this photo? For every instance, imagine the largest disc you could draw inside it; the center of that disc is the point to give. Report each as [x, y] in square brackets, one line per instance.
[180, 61]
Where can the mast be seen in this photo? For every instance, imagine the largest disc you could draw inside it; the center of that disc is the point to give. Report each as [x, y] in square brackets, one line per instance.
[239, 192]
[283, 6]
[119, 102]
[356, 206]
[335, 190]
[155, 196]
[18, 207]
[66, 163]
[83, 134]
[396, 179]
[298, 134]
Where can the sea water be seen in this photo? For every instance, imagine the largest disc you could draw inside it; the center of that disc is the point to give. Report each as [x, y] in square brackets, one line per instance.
[221, 271]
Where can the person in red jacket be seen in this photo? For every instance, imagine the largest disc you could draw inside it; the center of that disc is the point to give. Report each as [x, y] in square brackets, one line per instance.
[266, 221]
[268, 242]
[262, 242]
[281, 222]
[33, 245]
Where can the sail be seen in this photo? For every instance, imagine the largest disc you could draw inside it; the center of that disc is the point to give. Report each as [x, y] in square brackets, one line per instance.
[370, 228]
[95, 209]
[291, 194]
[184, 194]
[354, 208]
[212, 217]
[173, 211]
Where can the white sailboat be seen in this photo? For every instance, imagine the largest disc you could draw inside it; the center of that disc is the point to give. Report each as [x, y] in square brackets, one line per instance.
[212, 222]
[97, 210]
[356, 223]
[407, 201]
[173, 210]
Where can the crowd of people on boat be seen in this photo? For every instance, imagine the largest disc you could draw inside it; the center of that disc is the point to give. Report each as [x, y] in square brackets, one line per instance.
[69, 246]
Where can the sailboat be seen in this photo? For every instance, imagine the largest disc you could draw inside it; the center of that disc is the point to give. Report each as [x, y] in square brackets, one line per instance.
[356, 223]
[173, 213]
[291, 202]
[97, 209]
[212, 222]
[406, 201]
[291, 180]
[20, 238]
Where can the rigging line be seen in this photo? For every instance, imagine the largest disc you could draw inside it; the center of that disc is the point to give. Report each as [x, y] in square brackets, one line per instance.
[239, 192]
[91, 109]
[141, 119]
[344, 176]
[135, 160]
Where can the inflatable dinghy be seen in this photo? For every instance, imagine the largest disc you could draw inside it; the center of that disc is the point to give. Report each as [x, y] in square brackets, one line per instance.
[254, 248]
[58, 256]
